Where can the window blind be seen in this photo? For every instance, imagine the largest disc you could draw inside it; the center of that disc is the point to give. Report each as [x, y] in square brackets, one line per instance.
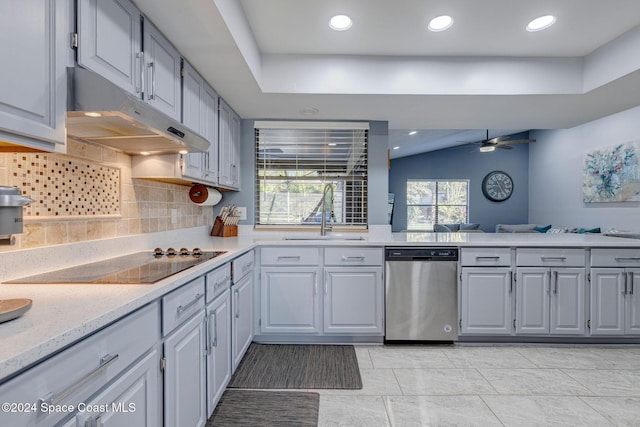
[294, 164]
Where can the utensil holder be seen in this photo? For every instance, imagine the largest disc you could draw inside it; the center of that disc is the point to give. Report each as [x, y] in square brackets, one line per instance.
[221, 230]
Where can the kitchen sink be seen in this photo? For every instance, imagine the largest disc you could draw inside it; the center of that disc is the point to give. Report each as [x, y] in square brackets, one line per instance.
[318, 237]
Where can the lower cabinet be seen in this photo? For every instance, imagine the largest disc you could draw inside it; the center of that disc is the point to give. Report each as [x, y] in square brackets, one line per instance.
[353, 300]
[218, 348]
[185, 375]
[135, 399]
[241, 317]
[290, 302]
[615, 301]
[486, 300]
[550, 301]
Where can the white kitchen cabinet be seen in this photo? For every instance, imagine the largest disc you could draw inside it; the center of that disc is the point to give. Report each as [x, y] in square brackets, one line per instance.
[81, 371]
[229, 151]
[242, 317]
[615, 304]
[353, 300]
[162, 72]
[200, 113]
[185, 375]
[550, 300]
[486, 300]
[135, 399]
[290, 300]
[33, 91]
[218, 350]
[109, 41]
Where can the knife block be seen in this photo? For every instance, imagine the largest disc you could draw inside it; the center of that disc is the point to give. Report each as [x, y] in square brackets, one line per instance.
[221, 230]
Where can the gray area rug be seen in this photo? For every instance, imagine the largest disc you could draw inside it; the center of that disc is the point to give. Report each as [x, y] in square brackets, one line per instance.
[253, 408]
[267, 366]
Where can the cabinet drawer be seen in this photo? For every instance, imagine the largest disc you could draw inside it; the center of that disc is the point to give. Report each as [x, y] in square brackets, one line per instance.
[615, 257]
[353, 256]
[550, 257]
[179, 305]
[290, 256]
[217, 281]
[242, 265]
[78, 372]
[479, 257]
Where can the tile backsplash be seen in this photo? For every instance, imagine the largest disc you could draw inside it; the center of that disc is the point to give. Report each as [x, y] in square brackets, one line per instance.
[89, 194]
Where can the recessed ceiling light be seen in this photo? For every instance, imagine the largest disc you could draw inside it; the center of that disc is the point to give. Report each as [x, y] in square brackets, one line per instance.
[541, 23]
[93, 114]
[440, 23]
[183, 152]
[395, 148]
[413, 132]
[144, 153]
[340, 23]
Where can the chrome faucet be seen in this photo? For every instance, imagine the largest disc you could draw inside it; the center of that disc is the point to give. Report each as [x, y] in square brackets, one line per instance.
[323, 220]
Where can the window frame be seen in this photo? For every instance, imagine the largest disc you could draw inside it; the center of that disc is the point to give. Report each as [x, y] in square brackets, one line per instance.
[436, 203]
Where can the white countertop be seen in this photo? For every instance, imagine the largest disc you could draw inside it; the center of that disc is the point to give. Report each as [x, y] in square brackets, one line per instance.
[63, 314]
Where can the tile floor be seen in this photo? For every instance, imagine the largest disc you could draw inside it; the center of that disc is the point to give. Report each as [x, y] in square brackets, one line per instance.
[466, 385]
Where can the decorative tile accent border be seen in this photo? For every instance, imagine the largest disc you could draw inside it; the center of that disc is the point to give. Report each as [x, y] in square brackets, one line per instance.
[66, 187]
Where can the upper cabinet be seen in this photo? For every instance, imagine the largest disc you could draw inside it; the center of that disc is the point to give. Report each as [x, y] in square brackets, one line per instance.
[115, 42]
[109, 41]
[229, 153]
[162, 71]
[33, 83]
[200, 113]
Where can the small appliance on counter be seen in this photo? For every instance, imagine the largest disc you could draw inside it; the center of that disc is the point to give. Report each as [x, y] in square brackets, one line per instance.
[11, 203]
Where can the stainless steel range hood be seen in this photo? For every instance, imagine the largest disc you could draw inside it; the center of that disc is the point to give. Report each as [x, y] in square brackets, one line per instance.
[100, 112]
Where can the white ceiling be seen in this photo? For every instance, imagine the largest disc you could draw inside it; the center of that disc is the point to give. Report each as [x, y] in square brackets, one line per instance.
[276, 58]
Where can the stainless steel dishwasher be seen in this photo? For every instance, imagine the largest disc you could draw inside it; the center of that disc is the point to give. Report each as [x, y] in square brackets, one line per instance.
[421, 294]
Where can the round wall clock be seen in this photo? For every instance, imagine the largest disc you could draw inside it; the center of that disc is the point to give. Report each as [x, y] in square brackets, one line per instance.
[497, 186]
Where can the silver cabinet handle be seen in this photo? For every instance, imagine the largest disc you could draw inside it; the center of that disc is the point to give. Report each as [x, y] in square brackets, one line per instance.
[292, 257]
[214, 341]
[247, 267]
[487, 258]
[216, 285]
[622, 259]
[549, 283]
[553, 258]
[152, 65]
[237, 309]
[630, 283]
[182, 308]
[353, 258]
[140, 82]
[625, 284]
[207, 333]
[105, 361]
[510, 282]
[326, 285]
[555, 281]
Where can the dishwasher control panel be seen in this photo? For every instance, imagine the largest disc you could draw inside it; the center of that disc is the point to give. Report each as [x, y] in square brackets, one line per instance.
[421, 254]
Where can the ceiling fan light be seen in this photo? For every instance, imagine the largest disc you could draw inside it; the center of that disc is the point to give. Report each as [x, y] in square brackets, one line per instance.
[487, 148]
[440, 23]
[541, 23]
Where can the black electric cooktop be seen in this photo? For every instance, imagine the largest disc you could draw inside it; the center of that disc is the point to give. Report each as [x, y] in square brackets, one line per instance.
[133, 269]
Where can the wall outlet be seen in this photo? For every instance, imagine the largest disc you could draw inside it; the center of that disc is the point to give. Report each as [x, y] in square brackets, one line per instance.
[243, 213]
[174, 216]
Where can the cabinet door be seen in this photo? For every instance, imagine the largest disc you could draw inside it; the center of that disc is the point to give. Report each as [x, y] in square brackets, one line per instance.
[242, 317]
[567, 301]
[289, 300]
[532, 300]
[33, 89]
[229, 150]
[486, 301]
[193, 116]
[162, 71]
[607, 301]
[185, 375]
[219, 349]
[135, 399]
[353, 300]
[109, 41]
[632, 308]
[210, 166]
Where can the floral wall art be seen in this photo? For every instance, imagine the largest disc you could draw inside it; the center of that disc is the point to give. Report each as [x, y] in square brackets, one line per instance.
[612, 174]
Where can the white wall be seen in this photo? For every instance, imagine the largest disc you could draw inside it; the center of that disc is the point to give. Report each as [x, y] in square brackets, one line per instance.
[555, 174]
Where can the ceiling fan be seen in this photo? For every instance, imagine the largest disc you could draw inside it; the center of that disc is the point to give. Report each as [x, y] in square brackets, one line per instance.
[503, 141]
